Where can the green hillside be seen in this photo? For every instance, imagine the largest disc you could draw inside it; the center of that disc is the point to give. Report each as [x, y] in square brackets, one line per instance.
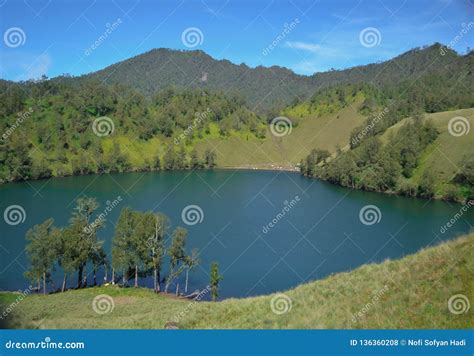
[444, 158]
[416, 156]
[409, 293]
[327, 131]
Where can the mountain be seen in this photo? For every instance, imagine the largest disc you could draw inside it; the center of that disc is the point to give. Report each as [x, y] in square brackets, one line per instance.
[162, 68]
[268, 87]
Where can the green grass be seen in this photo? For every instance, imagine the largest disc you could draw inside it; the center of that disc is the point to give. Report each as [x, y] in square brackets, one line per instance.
[413, 292]
[243, 149]
[325, 132]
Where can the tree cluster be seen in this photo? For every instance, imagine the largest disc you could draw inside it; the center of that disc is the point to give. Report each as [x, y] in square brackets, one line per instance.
[139, 249]
[377, 167]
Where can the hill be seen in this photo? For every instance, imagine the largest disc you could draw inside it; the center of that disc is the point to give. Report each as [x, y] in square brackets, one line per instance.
[428, 156]
[445, 157]
[409, 293]
[264, 88]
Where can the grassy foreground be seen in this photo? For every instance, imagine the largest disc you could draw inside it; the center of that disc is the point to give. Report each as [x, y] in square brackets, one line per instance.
[409, 293]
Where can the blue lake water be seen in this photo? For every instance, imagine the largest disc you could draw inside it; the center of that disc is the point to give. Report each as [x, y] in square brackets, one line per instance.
[269, 231]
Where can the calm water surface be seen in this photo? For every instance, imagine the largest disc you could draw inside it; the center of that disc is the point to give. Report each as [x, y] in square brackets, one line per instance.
[319, 232]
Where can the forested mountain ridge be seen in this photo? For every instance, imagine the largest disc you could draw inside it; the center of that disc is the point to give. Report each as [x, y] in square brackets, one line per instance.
[264, 88]
[157, 69]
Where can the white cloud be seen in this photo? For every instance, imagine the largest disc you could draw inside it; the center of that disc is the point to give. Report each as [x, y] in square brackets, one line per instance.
[305, 46]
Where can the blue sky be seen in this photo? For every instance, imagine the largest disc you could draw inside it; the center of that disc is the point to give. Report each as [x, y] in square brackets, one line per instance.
[57, 36]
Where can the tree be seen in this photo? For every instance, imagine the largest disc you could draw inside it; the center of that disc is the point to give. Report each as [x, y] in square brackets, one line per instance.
[98, 259]
[122, 257]
[191, 262]
[42, 257]
[182, 159]
[426, 187]
[146, 244]
[466, 174]
[156, 163]
[118, 161]
[83, 231]
[195, 163]
[177, 255]
[215, 280]
[210, 158]
[66, 254]
[156, 246]
[315, 157]
[169, 160]
[137, 243]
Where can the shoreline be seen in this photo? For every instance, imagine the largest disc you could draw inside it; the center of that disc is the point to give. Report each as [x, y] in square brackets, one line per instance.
[269, 168]
[293, 169]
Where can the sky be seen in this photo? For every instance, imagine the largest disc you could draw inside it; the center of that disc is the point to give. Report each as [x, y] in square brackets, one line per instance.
[54, 37]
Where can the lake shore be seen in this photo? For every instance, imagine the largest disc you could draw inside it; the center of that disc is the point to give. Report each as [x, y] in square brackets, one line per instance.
[325, 303]
[264, 167]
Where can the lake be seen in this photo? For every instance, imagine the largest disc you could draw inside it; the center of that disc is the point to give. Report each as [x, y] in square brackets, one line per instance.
[268, 230]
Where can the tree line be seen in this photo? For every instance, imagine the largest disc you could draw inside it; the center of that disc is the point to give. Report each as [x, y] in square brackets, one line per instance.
[372, 165]
[54, 135]
[139, 249]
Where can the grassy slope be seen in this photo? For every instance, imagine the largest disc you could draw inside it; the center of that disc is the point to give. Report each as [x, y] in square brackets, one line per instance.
[324, 132]
[418, 287]
[443, 157]
[243, 149]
